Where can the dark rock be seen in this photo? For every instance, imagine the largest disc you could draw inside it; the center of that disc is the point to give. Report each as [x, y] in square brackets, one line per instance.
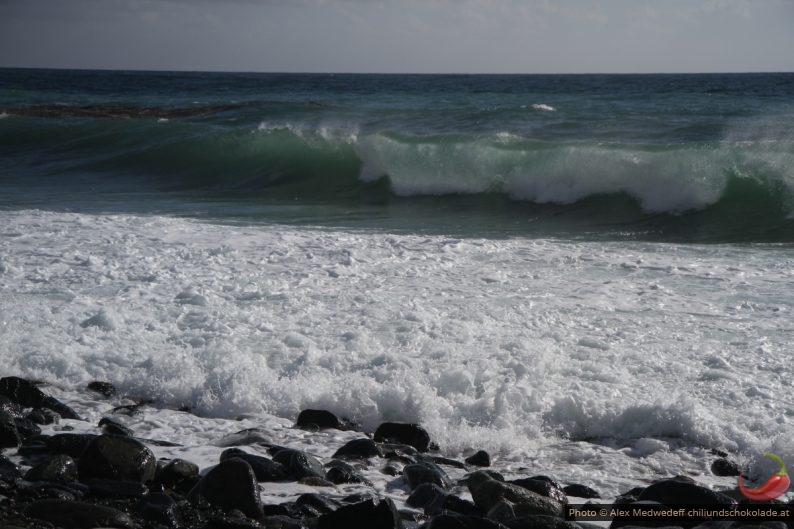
[320, 418]
[725, 467]
[340, 472]
[299, 463]
[282, 522]
[177, 473]
[36, 490]
[21, 391]
[539, 521]
[487, 492]
[405, 433]
[381, 515]
[43, 416]
[264, 468]
[103, 388]
[131, 410]
[78, 515]
[393, 469]
[116, 457]
[112, 427]
[51, 403]
[114, 488]
[230, 485]
[315, 481]
[159, 508]
[244, 437]
[26, 428]
[438, 460]
[359, 448]
[400, 451]
[580, 491]
[71, 444]
[425, 472]
[451, 520]
[9, 435]
[480, 459]
[11, 408]
[8, 469]
[59, 467]
[679, 492]
[318, 503]
[543, 487]
[452, 503]
[488, 472]
[424, 494]
[654, 516]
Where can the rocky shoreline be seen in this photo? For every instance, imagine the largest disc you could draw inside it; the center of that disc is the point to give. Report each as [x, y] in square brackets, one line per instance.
[60, 471]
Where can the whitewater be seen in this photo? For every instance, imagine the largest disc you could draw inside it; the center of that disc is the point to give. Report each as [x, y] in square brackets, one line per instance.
[606, 362]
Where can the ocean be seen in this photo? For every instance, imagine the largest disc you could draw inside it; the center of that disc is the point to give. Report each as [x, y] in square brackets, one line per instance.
[587, 275]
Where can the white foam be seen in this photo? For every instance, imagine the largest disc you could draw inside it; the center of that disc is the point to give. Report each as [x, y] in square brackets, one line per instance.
[564, 363]
[544, 107]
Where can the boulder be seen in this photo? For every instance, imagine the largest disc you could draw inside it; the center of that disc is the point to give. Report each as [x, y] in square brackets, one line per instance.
[59, 467]
[677, 491]
[487, 492]
[230, 485]
[319, 418]
[77, 515]
[405, 433]
[9, 435]
[264, 469]
[369, 514]
[117, 457]
[580, 491]
[425, 472]
[479, 459]
[300, 464]
[103, 388]
[359, 448]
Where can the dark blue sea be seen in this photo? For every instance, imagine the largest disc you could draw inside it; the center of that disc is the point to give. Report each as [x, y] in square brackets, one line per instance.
[706, 158]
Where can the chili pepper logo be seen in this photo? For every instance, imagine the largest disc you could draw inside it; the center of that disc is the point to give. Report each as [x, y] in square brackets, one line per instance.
[776, 485]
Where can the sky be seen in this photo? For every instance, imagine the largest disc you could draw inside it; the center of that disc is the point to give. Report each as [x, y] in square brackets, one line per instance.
[401, 36]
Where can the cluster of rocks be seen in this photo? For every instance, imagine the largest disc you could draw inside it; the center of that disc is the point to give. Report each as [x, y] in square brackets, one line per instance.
[112, 479]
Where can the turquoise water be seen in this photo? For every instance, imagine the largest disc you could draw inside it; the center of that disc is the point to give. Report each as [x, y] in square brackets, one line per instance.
[653, 157]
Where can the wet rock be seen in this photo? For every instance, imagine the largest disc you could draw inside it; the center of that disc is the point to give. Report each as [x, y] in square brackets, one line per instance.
[78, 515]
[159, 508]
[11, 408]
[230, 485]
[451, 520]
[59, 467]
[244, 437]
[177, 474]
[340, 472]
[116, 457]
[544, 487]
[487, 492]
[9, 435]
[319, 418]
[443, 461]
[580, 491]
[405, 433]
[541, 522]
[264, 469]
[8, 469]
[315, 481]
[424, 494]
[112, 427]
[71, 444]
[116, 489]
[26, 428]
[359, 448]
[103, 388]
[300, 464]
[43, 416]
[392, 469]
[725, 467]
[369, 514]
[452, 503]
[316, 503]
[677, 491]
[480, 459]
[425, 472]
[21, 391]
[51, 403]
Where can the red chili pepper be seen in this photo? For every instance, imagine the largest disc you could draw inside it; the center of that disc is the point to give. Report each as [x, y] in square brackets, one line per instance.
[776, 485]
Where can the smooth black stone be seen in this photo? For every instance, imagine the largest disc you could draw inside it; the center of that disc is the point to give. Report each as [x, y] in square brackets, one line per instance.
[405, 433]
[487, 492]
[116, 457]
[34, 451]
[26, 428]
[113, 488]
[452, 503]
[458, 521]
[59, 467]
[21, 391]
[381, 515]
[340, 472]
[543, 487]
[244, 437]
[320, 504]
[424, 494]
[103, 388]
[493, 474]
[160, 508]
[9, 435]
[580, 491]
[8, 469]
[725, 467]
[480, 459]
[282, 522]
[300, 464]
[175, 472]
[51, 403]
[230, 485]
[359, 448]
[399, 450]
[443, 461]
[72, 444]
[114, 427]
[679, 492]
[264, 469]
[10, 407]
[52, 490]
[425, 472]
[43, 416]
[77, 515]
[320, 418]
